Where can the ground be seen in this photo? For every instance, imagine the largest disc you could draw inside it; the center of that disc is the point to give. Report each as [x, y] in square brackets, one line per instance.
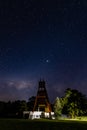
[21, 124]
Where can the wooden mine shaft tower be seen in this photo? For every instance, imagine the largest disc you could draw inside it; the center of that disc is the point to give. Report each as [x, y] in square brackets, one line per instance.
[42, 102]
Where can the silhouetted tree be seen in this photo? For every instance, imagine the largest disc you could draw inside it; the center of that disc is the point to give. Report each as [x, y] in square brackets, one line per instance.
[20, 106]
[30, 103]
[2, 109]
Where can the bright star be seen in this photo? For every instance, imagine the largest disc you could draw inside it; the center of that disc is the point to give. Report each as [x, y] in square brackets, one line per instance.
[47, 61]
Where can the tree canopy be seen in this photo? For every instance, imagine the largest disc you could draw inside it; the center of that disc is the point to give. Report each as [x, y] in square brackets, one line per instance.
[74, 103]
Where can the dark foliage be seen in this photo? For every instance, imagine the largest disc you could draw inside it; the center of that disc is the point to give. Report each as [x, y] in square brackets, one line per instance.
[12, 109]
[15, 109]
[30, 103]
[74, 103]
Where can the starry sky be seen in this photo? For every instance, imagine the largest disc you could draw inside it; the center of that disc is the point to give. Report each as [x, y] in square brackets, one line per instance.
[44, 39]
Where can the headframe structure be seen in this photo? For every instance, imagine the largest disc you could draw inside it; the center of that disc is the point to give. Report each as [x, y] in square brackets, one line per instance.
[42, 101]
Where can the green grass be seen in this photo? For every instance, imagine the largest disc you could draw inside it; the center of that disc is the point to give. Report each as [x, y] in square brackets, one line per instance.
[21, 124]
[82, 118]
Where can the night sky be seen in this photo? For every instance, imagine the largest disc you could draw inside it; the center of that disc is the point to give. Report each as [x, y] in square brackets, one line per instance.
[44, 39]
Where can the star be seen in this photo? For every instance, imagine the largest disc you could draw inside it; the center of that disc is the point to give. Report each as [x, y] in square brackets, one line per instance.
[47, 61]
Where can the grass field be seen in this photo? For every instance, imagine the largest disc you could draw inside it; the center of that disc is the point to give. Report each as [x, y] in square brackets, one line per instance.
[21, 124]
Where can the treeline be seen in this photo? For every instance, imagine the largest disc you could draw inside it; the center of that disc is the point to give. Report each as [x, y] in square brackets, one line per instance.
[72, 104]
[15, 109]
